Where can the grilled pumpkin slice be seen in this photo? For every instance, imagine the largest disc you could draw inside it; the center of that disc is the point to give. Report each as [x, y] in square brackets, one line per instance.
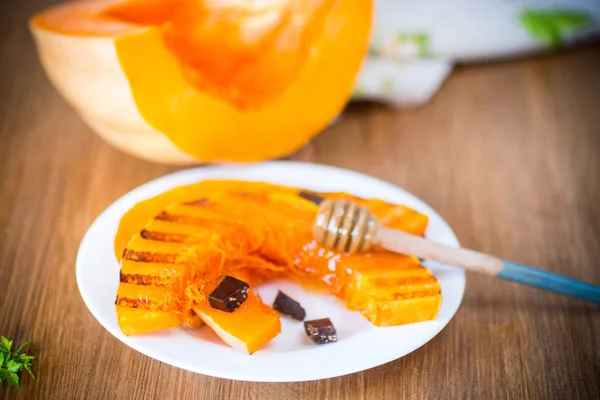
[257, 231]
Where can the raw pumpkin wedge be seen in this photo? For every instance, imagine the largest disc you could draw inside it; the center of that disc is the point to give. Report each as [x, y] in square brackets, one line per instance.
[176, 81]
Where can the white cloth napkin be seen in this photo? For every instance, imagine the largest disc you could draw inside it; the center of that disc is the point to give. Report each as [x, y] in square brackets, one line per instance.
[415, 44]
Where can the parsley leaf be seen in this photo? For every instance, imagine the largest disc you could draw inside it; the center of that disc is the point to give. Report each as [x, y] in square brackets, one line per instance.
[13, 379]
[28, 368]
[11, 364]
[6, 344]
[24, 359]
[3, 374]
[14, 366]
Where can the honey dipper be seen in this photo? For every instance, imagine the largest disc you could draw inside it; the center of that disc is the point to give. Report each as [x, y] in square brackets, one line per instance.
[344, 226]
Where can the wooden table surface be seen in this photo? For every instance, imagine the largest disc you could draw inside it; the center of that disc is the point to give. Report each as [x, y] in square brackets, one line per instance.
[508, 153]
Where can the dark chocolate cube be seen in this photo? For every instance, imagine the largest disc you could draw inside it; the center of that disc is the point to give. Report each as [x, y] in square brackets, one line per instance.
[286, 305]
[321, 331]
[229, 294]
[315, 198]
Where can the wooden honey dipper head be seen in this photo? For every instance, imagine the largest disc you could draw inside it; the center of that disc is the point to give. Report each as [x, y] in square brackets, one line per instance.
[343, 226]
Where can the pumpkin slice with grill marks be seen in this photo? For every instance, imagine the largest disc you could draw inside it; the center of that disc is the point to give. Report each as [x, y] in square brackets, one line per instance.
[255, 232]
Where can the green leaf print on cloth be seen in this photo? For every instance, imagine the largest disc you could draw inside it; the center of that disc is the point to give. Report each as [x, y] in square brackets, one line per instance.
[419, 40]
[549, 27]
[403, 45]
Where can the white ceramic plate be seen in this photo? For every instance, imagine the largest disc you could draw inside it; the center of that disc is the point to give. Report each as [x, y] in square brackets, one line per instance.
[290, 356]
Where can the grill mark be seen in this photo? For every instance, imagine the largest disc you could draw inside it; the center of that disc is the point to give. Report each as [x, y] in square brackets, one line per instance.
[311, 196]
[164, 216]
[142, 303]
[180, 219]
[402, 281]
[192, 221]
[198, 203]
[405, 273]
[145, 280]
[416, 295]
[166, 236]
[144, 256]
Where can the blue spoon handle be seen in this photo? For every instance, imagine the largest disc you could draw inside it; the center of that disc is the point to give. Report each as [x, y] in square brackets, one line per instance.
[549, 281]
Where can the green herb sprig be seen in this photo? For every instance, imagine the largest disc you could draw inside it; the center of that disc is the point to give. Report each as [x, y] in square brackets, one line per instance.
[11, 363]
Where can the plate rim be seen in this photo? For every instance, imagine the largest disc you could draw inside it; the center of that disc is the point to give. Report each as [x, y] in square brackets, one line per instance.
[134, 195]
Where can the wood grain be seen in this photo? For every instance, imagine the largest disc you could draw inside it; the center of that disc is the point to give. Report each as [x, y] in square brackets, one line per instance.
[508, 153]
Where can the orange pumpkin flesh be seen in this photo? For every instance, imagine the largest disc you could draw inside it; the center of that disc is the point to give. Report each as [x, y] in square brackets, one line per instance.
[248, 328]
[247, 53]
[257, 231]
[229, 81]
